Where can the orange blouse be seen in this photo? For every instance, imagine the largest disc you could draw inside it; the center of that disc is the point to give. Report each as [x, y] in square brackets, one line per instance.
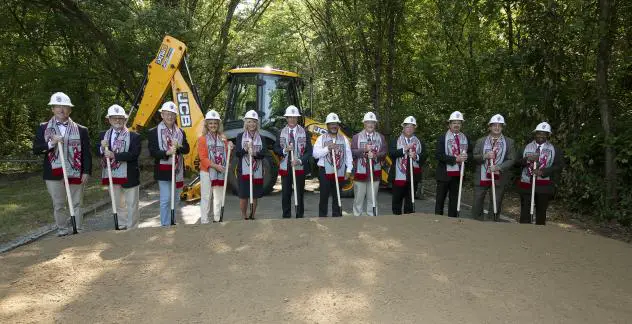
[202, 149]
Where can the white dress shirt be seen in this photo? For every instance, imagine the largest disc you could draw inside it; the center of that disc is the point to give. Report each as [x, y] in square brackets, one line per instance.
[62, 131]
[320, 151]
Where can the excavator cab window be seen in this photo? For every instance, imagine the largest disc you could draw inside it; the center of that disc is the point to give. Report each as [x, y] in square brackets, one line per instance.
[268, 94]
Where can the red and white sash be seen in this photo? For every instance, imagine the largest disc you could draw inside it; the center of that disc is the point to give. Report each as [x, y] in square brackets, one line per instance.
[72, 150]
[401, 163]
[167, 138]
[216, 148]
[547, 155]
[300, 140]
[340, 153]
[119, 168]
[500, 149]
[360, 164]
[257, 169]
[454, 145]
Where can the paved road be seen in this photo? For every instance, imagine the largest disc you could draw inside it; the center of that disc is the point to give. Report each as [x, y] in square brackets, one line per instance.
[269, 207]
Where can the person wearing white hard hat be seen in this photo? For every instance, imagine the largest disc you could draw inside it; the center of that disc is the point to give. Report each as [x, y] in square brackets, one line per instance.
[250, 143]
[451, 151]
[212, 149]
[122, 147]
[167, 141]
[293, 137]
[493, 154]
[60, 128]
[406, 146]
[549, 163]
[327, 144]
[367, 146]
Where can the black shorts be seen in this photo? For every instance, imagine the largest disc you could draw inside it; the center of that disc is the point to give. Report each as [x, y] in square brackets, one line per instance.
[244, 189]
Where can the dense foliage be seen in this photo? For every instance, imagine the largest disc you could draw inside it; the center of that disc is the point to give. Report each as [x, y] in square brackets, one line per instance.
[566, 62]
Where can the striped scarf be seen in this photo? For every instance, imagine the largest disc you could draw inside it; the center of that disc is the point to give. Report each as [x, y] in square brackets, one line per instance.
[72, 150]
[500, 148]
[217, 153]
[547, 156]
[361, 165]
[300, 139]
[166, 139]
[119, 168]
[401, 163]
[454, 145]
[257, 170]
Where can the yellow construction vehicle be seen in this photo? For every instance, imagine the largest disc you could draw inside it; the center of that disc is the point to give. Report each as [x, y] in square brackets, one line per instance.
[266, 90]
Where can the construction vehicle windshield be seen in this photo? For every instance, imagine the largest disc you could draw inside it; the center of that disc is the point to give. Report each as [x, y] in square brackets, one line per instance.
[268, 94]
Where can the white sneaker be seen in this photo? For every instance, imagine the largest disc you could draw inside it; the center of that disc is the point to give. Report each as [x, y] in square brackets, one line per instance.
[62, 232]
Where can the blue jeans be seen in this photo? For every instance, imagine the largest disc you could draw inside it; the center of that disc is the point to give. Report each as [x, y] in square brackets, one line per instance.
[165, 202]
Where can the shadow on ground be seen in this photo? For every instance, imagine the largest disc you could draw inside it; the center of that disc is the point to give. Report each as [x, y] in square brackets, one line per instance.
[391, 269]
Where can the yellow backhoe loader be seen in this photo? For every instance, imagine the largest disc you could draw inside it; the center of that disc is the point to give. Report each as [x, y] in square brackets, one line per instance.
[266, 90]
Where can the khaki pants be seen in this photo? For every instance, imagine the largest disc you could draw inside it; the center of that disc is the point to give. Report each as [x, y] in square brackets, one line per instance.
[362, 197]
[127, 198]
[206, 194]
[57, 191]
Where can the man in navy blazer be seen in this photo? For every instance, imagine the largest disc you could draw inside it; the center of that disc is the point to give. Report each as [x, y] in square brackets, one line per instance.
[75, 148]
[122, 147]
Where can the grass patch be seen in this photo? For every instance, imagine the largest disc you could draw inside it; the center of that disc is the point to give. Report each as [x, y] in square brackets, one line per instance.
[26, 204]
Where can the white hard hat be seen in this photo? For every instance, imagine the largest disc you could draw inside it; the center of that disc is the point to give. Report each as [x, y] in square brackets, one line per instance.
[251, 114]
[292, 111]
[60, 99]
[332, 118]
[409, 120]
[457, 115]
[497, 119]
[370, 116]
[212, 115]
[543, 127]
[116, 110]
[169, 106]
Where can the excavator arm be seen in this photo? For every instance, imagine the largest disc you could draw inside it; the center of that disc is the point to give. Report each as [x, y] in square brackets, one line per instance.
[164, 72]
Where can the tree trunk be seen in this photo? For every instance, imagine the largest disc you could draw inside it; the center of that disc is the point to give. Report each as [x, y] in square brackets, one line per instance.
[393, 21]
[214, 84]
[603, 60]
[510, 36]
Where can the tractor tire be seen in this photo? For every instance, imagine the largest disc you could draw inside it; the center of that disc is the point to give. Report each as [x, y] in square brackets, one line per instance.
[346, 188]
[270, 173]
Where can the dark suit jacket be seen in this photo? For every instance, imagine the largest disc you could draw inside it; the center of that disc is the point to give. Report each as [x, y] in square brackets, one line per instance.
[505, 167]
[158, 154]
[131, 157]
[304, 158]
[240, 151]
[555, 172]
[441, 174]
[40, 146]
[395, 153]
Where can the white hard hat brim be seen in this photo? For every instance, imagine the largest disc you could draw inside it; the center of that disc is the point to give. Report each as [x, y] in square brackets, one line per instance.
[168, 110]
[117, 115]
[68, 104]
[60, 104]
[542, 130]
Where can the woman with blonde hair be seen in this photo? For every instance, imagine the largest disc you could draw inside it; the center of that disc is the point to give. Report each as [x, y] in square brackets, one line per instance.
[212, 150]
[250, 146]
